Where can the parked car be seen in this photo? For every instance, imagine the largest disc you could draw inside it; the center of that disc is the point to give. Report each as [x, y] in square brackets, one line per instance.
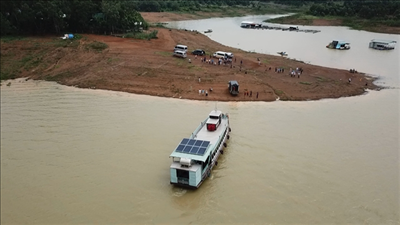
[180, 54]
[198, 52]
[228, 56]
[219, 54]
[181, 48]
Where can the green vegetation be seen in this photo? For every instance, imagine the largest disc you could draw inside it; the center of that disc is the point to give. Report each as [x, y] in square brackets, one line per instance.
[60, 16]
[119, 17]
[143, 36]
[365, 14]
[11, 38]
[99, 46]
[305, 83]
[59, 77]
[7, 75]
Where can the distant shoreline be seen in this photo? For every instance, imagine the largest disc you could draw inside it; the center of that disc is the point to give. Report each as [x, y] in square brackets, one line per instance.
[296, 19]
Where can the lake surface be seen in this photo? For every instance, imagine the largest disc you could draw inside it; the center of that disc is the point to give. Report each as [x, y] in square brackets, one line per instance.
[76, 156]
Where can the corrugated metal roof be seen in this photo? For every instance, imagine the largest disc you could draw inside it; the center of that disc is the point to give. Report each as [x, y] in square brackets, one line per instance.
[382, 41]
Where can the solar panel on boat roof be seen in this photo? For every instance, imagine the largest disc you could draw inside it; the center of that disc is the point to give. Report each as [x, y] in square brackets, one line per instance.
[192, 146]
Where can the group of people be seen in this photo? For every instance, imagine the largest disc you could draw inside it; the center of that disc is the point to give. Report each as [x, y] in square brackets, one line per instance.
[279, 70]
[353, 71]
[203, 92]
[250, 93]
[297, 71]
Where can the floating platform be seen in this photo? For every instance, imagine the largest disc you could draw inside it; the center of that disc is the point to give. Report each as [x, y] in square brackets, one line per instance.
[267, 27]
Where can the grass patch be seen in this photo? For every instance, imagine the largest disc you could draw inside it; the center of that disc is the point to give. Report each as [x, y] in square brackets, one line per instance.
[99, 46]
[7, 75]
[180, 62]
[111, 60]
[193, 67]
[59, 77]
[26, 59]
[162, 25]
[11, 38]
[305, 83]
[33, 63]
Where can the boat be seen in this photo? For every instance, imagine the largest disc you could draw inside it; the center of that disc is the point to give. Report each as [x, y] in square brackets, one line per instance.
[282, 53]
[250, 24]
[338, 44]
[195, 157]
[208, 31]
[382, 44]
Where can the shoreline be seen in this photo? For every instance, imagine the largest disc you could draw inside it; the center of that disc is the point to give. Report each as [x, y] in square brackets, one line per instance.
[296, 19]
[148, 67]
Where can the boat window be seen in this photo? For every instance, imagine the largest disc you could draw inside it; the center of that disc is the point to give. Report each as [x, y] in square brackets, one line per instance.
[214, 117]
[182, 173]
[176, 159]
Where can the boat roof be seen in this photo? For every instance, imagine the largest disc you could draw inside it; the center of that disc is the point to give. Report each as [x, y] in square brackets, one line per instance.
[195, 149]
[215, 113]
[233, 82]
[342, 42]
[248, 22]
[199, 147]
[382, 41]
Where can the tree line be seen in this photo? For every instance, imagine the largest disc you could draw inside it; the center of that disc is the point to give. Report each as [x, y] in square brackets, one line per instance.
[365, 9]
[114, 16]
[62, 16]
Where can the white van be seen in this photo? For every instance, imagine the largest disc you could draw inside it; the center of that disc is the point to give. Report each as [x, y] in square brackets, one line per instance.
[181, 48]
[180, 54]
[219, 54]
[229, 55]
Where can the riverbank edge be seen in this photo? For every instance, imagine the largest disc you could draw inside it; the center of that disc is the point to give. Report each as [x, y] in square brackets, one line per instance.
[143, 92]
[293, 18]
[351, 22]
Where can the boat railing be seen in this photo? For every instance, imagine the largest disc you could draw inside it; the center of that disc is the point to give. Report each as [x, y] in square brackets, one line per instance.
[194, 134]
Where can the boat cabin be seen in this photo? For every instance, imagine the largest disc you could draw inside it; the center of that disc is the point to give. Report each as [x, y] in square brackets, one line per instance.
[214, 120]
[233, 87]
[338, 44]
[382, 44]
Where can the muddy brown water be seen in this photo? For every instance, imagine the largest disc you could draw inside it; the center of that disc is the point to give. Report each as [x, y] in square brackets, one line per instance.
[76, 156]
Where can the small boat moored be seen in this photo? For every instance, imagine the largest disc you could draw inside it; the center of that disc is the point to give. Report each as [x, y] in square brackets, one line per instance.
[338, 44]
[194, 157]
[208, 31]
[282, 53]
[382, 44]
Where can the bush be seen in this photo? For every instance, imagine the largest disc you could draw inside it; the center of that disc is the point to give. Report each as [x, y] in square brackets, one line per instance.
[99, 46]
[143, 36]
